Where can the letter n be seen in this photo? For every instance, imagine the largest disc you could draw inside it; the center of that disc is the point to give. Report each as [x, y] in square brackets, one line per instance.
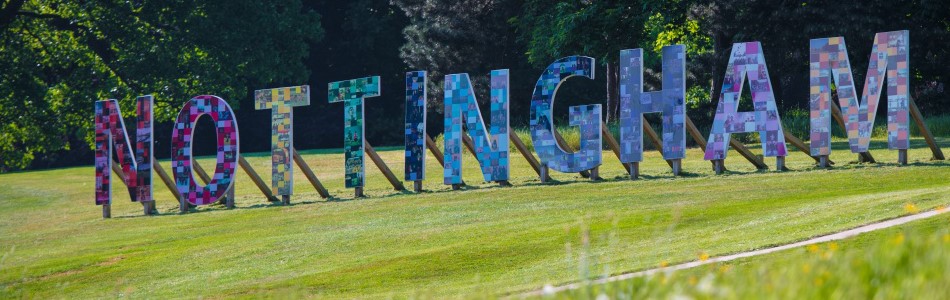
[461, 112]
[137, 165]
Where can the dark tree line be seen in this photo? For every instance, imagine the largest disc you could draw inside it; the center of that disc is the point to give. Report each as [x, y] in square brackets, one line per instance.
[58, 57]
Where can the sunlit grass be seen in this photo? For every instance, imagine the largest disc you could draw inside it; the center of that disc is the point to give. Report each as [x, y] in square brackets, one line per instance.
[483, 240]
[907, 262]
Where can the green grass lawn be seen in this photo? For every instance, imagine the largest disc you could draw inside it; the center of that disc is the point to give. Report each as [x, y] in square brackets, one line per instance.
[483, 240]
[910, 261]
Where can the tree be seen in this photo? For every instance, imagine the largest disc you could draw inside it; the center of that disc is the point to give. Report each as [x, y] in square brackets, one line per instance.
[596, 28]
[469, 36]
[59, 57]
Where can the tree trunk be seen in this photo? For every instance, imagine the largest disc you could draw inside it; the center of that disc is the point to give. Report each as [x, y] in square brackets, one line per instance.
[613, 100]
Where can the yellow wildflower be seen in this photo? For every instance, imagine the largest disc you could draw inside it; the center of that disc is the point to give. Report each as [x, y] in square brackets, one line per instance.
[899, 239]
[703, 256]
[812, 248]
[832, 246]
[910, 208]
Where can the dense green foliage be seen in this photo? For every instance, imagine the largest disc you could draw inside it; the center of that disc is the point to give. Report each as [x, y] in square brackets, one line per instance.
[58, 57]
[482, 241]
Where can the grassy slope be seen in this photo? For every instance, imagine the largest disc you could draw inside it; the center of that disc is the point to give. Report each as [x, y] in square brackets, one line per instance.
[484, 239]
[906, 262]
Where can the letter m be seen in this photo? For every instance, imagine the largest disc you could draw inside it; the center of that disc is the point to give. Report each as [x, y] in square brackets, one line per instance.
[829, 64]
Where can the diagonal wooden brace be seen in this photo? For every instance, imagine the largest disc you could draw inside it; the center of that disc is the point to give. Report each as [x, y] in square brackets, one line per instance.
[919, 120]
[310, 175]
[397, 185]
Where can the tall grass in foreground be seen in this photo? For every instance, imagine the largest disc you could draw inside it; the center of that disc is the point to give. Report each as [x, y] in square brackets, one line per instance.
[795, 122]
[907, 263]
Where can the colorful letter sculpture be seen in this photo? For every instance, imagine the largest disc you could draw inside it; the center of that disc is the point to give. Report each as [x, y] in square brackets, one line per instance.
[281, 102]
[586, 116]
[416, 125]
[670, 102]
[227, 156]
[351, 93]
[830, 64]
[746, 59]
[110, 131]
[462, 112]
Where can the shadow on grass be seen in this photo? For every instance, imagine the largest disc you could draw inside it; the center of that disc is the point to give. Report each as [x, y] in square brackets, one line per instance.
[838, 166]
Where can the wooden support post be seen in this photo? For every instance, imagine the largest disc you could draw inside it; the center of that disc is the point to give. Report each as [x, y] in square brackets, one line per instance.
[902, 157]
[718, 166]
[229, 201]
[924, 131]
[358, 192]
[609, 138]
[654, 138]
[544, 173]
[417, 186]
[285, 199]
[791, 139]
[595, 174]
[456, 187]
[201, 172]
[677, 166]
[839, 118]
[182, 205]
[148, 207]
[823, 161]
[397, 185]
[256, 179]
[505, 183]
[560, 141]
[169, 183]
[469, 144]
[519, 144]
[695, 134]
[780, 163]
[435, 151]
[634, 170]
[302, 164]
[106, 211]
[752, 158]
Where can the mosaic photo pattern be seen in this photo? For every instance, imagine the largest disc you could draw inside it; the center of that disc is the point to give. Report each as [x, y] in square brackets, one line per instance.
[746, 60]
[227, 154]
[351, 93]
[670, 102]
[415, 125]
[137, 165]
[461, 113]
[542, 122]
[829, 64]
[281, 102]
